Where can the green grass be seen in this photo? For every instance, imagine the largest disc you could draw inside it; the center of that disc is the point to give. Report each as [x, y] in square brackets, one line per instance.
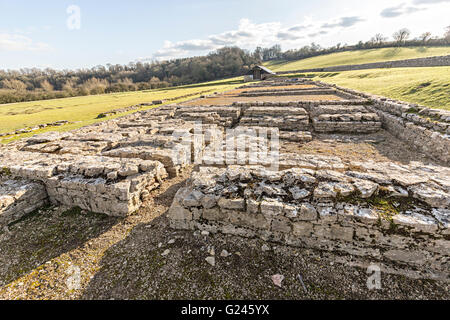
[429, 87]
[85, 110]
[358, 57]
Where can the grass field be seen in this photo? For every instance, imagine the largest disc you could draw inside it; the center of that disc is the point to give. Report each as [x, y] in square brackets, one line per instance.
[358, 57]
[84, 110]
[426, 86]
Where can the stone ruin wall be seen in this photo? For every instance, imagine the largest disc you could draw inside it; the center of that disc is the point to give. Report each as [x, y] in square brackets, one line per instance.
[384, 211]
[326, 209]
[423, 128]
[313, 201]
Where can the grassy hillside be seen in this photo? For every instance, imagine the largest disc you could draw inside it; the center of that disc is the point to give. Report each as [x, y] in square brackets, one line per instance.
[84, 110]
[359, 57]
[426, 86]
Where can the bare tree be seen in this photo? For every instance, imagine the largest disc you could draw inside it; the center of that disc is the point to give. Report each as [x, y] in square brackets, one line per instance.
[378, 39]
[401, 35]
[447, 35]
[425, 37]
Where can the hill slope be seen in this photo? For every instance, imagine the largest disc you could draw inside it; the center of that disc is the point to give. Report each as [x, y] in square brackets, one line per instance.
[426, 86]
[358, 57]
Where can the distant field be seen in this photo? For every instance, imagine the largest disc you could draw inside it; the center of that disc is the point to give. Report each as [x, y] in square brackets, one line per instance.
[358, 57]
[84, 110]
[426, 86]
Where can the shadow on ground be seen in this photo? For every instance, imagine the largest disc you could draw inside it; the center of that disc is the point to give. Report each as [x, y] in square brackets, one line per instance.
[43, 235]
[156, 262]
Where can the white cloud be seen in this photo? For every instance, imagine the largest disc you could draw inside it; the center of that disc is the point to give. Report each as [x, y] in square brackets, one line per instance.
[402, 9]
[407, 8]
[249, 35]
[18, 42]
[429, 1]
[343, 22]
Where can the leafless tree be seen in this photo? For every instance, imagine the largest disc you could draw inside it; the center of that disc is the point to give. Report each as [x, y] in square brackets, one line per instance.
[447, 35]
[425, 37]
[401, 35]
[378, 39]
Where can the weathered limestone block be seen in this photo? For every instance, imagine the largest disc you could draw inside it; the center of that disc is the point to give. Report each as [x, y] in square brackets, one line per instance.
[271, 207]
[416, 221]
[281, 224]
[302, 229]
[48, 137]
[366, 188]
[431, 194]
[252, 221]
[232, 204]
[194, 199]
[297, 136]
[215, 214]
[20, 197]
[415, 257]
[177, 211]
[167, 157]
[337, 110]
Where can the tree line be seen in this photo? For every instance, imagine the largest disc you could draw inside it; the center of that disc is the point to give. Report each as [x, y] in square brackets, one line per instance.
[400, 38]
[36, 84]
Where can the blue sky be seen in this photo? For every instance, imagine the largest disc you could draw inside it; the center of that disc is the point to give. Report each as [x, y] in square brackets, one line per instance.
[37, 34]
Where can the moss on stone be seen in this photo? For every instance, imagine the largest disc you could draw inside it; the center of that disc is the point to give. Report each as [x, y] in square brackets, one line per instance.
[5, 171]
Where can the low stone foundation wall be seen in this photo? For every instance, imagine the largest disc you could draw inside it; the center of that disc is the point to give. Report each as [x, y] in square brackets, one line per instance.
[19, 197]
[300, 92]
[434, 144]
[220, 115]
[289, 118]
[380, 211]
[345, 119]
[423, 128]
[307, 105]
[345, 124]
[99, 184]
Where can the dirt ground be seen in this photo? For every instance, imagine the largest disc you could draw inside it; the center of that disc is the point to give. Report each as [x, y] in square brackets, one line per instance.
[381, 146]
[58, 253]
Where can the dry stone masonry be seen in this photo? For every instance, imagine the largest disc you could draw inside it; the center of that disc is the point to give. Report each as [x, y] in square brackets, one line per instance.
[19, 197]
[420, 127]
[384, 211]
[380, 210]
[335, 118]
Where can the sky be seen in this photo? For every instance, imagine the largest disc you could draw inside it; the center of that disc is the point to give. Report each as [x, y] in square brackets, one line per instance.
[82, 34]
